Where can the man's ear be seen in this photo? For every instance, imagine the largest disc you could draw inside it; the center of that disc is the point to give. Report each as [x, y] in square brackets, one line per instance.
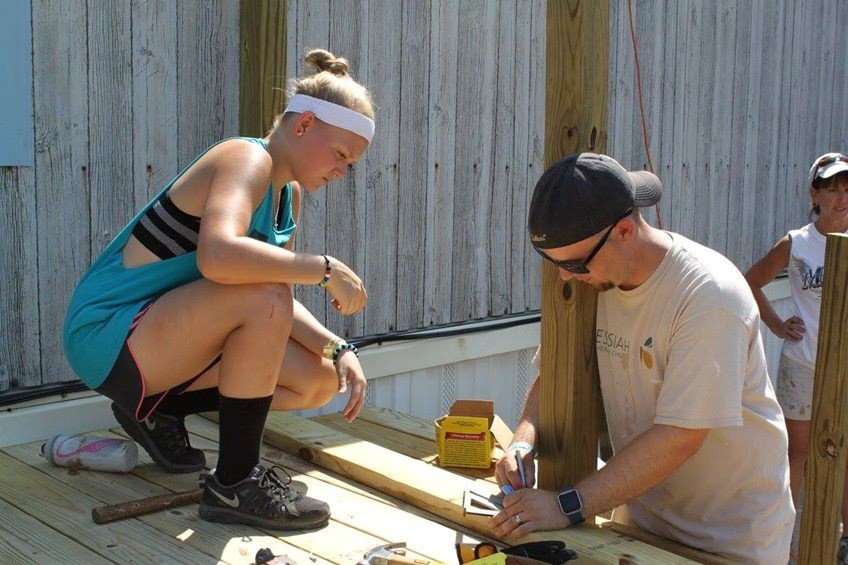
[625, 228]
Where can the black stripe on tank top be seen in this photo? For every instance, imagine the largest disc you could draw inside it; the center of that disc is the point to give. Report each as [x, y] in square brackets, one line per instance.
[166, 231]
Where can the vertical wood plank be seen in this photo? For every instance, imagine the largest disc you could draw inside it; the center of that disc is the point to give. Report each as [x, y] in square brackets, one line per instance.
[829, 425]
[502, 184]
[20, 331]
[767, 139]
[154, 97]
[262, 64]
[381, 168]
[441, 144]
[743, 157]
[516, 221]
[346, 201]
[724, 88]
[414, 96]
[207, 74]
[473, 165]
[577, 52]
[110, 86]
[537, 139]
[60, 71]
[312, 30]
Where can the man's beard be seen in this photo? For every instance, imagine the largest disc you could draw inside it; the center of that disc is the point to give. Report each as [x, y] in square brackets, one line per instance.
[602, 286]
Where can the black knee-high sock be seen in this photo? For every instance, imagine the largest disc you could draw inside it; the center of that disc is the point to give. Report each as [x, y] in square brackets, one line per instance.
[241, 421]
[193, 402]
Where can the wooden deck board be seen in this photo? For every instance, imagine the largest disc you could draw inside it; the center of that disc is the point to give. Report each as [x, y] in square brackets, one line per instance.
[229, 544]
[391, 520]
[27, 540]
[68, 511]
[46, 509]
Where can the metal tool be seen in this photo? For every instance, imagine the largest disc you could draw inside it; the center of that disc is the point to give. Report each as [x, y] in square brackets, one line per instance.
[476, 503]
[392, 554]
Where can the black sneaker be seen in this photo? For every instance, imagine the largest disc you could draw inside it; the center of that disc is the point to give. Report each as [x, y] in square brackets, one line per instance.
[298, 486]
[165, 439]
[262, 499]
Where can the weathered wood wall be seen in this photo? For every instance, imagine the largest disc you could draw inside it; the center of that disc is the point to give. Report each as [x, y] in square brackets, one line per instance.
[740, 98]
[124, 92]
[433, 218]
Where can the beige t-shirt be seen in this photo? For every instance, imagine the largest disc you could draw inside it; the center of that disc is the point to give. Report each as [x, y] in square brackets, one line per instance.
[684, 349]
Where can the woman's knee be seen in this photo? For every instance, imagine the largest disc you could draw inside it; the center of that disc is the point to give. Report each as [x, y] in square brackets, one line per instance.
[267, 303]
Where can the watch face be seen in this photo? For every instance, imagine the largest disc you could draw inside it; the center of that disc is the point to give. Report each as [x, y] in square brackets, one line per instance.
[569, 501]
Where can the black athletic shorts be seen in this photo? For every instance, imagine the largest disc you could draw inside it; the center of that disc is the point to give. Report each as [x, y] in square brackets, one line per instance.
[125, 385]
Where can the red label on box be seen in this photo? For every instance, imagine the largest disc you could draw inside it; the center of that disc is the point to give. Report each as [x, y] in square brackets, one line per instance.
[457, 435]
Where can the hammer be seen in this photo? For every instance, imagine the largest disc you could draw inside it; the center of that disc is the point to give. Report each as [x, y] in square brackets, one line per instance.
[392, 554]
[113, 512]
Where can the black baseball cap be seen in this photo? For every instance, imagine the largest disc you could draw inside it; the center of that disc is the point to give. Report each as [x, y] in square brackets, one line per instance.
[584, 193]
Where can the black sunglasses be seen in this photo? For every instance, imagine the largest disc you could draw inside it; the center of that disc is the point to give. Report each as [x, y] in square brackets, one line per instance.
[582, 267]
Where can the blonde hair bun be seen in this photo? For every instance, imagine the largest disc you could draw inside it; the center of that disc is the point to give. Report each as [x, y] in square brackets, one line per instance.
[322, 60]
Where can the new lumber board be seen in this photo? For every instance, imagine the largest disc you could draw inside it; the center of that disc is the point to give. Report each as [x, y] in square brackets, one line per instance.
[437, 490]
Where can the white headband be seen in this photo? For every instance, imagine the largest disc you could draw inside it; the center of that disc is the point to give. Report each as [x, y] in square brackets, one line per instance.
[333, 114]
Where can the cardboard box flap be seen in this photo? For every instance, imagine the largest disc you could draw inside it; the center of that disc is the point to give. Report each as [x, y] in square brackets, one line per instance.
[502, 433]
[474, 408]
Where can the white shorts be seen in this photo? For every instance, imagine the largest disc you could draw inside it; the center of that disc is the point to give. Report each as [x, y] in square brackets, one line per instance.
[794, 389]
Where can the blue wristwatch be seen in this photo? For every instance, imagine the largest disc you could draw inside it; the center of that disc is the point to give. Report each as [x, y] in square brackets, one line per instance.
[571, 505]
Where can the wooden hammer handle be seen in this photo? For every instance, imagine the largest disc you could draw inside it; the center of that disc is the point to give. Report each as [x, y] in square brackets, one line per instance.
[110, 513]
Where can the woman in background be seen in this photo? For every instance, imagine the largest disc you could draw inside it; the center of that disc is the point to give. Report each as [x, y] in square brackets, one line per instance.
[801, 252]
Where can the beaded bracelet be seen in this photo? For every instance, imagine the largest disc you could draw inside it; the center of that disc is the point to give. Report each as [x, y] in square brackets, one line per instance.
[327, 272]
[343, 346]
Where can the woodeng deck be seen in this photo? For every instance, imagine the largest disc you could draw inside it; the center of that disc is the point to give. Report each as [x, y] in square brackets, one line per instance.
[45, 511]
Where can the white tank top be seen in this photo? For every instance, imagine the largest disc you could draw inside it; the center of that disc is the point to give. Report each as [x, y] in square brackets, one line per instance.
[806, 274]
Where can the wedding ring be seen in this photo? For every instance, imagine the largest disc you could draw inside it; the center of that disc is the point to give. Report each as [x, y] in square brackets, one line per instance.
[517, 519]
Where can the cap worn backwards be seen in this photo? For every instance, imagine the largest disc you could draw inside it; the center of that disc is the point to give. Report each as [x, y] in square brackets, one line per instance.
[583, 194]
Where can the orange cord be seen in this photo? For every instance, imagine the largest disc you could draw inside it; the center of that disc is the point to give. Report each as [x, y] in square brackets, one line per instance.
[642, 103]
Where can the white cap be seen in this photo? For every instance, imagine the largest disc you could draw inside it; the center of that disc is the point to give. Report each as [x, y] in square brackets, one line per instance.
[828, 165]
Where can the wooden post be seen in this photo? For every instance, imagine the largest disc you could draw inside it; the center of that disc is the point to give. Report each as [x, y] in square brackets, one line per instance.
[576, 120]
[262, 73]
[829, 425]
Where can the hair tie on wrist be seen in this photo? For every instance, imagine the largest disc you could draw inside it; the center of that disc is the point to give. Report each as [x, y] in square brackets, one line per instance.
[327, 272]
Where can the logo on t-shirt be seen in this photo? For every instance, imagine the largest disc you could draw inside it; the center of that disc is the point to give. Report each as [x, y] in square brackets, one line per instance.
[812, 279]
[645, 353]
[609, 342]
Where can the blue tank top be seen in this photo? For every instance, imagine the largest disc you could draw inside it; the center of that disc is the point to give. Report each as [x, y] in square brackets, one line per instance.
[109, 295]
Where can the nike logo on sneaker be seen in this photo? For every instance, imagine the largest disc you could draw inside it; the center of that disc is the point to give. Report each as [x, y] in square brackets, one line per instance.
[231, 502]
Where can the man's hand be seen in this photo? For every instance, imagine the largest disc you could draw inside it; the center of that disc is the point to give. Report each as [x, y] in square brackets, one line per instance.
[350, 372]
[528, 510]
[506, 469]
